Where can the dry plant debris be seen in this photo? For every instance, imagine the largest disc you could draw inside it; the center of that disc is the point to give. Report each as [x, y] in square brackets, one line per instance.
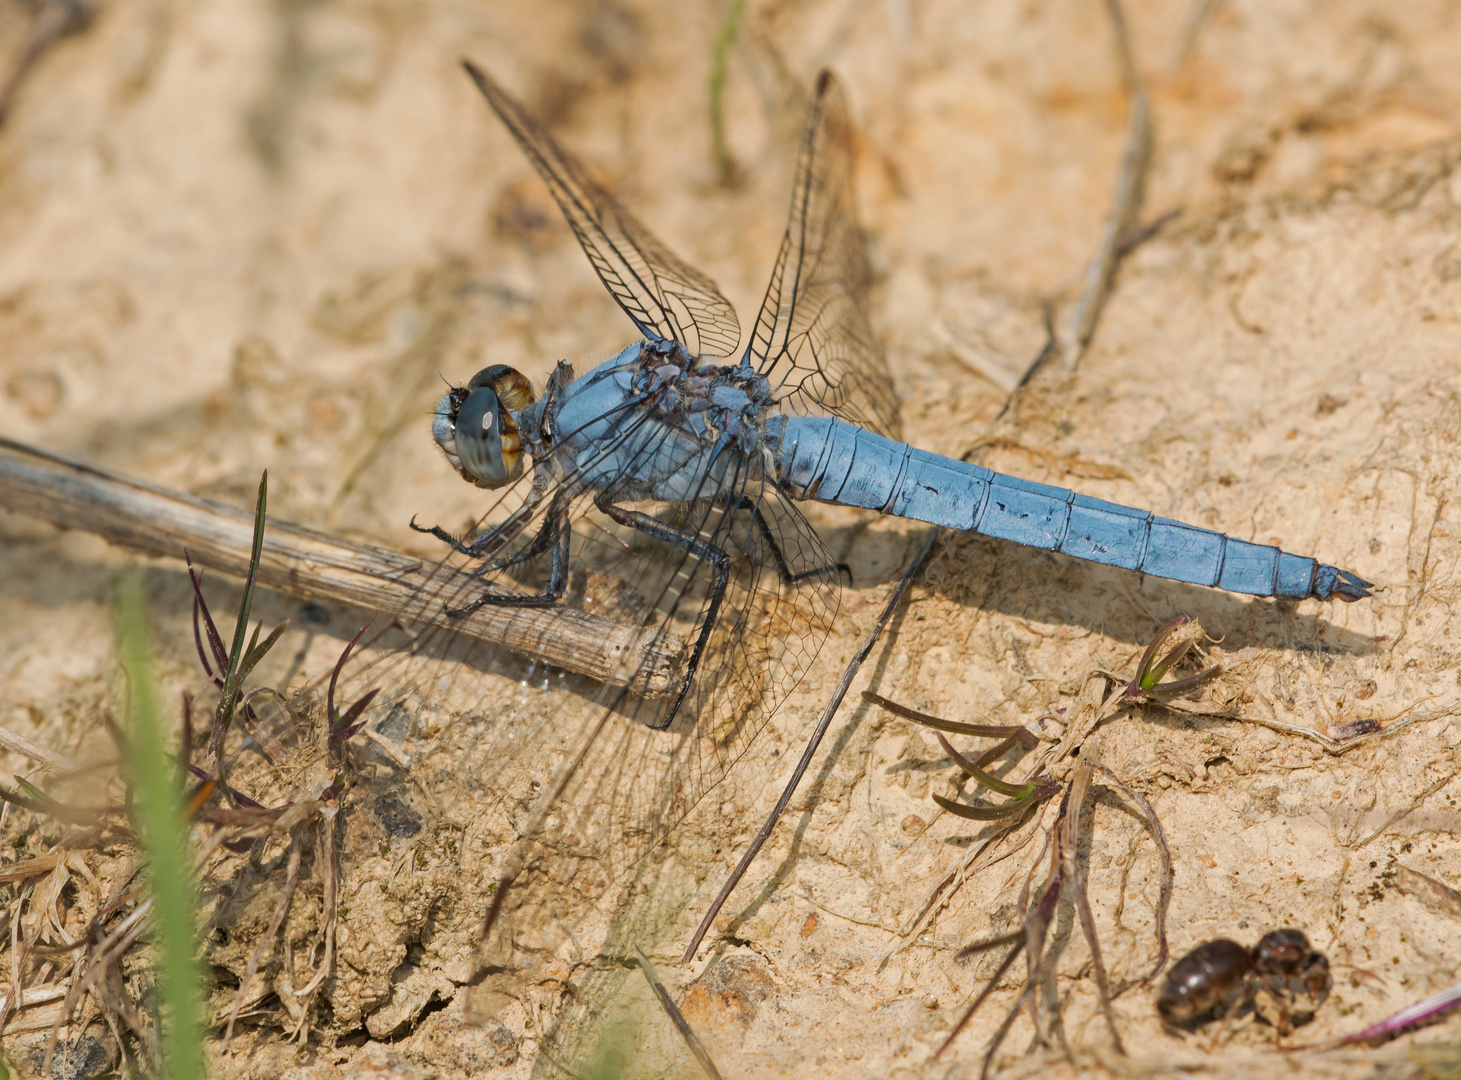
[264, 813]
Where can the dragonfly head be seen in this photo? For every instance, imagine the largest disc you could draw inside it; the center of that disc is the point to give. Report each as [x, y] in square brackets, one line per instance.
[475, 429]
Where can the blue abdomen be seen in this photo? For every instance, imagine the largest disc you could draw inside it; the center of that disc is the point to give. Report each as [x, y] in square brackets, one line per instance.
[832, 461]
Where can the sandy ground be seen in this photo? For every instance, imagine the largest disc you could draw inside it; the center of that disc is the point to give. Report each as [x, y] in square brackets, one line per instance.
[237, 236]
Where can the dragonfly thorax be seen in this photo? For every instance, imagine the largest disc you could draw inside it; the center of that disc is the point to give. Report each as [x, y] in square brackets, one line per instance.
[729, 399]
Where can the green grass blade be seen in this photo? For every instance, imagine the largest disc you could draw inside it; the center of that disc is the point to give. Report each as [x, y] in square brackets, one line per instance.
[232, 677]
[164, 835]
[730, 28]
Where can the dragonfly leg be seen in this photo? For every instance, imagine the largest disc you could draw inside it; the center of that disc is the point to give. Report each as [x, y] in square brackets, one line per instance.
[555, 531]
[554, 522]
[452, 542]
[715, 556]
[485, 544]
[787, 577]
[495, 537]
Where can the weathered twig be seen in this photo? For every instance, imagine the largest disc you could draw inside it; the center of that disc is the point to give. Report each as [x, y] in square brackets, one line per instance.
[1199, 13]
[316, 566]
[853, 665]
[1125, 202]
[677, 1017]
[1069, 846]
[1164, 900]
[19, 744]
[1435, 895]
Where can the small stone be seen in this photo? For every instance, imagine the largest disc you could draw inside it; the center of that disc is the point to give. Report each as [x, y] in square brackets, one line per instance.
[729, 993]
[81, 1058]
[398, 818]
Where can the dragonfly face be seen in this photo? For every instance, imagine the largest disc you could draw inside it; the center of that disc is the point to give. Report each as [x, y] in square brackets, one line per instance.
[474, 427]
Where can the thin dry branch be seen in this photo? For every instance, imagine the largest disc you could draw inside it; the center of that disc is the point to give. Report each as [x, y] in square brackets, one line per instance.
[972, 861]
[37, 995]
[316, 566]
[19, 744]
[848, 674]
[29, 868]
[1125, 202]
[692, 1041]
[256, 956]
[1384, 729]
[1164, 900]
[1199, 14]
[1071, 869]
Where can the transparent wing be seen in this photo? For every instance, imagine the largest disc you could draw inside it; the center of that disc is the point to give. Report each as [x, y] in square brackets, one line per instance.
[572, 781]
[663, 295]
[812, 339]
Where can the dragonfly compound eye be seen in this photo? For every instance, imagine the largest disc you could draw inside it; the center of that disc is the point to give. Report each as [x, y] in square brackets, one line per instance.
[476, 429]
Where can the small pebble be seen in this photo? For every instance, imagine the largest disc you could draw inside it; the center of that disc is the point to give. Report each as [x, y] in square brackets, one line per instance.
[1353, 729]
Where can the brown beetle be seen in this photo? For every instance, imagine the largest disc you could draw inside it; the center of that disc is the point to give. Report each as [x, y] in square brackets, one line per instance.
[1283, 977]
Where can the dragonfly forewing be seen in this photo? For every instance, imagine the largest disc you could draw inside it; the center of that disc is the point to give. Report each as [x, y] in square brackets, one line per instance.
[664, 296]
[813, 339]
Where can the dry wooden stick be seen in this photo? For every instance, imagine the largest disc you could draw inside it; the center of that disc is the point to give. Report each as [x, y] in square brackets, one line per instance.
[48, 758]
[1125, 203]
[316, 566]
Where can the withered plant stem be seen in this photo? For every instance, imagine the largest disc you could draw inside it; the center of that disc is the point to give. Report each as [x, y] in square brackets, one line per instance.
[697, 1048]
[314, 565]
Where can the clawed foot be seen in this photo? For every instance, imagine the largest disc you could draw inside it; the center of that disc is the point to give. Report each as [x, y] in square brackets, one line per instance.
[446, 538]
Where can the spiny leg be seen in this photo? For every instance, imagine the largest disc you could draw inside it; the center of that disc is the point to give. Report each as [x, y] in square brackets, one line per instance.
[493, 538]
[554, 521]
[555, 531]
[742, 502]
[715, 556]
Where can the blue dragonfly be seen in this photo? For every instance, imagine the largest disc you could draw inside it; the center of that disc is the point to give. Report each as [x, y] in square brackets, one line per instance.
[660, 489]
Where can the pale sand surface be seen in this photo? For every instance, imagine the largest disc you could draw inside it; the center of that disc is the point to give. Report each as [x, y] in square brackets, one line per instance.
[237, 236]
